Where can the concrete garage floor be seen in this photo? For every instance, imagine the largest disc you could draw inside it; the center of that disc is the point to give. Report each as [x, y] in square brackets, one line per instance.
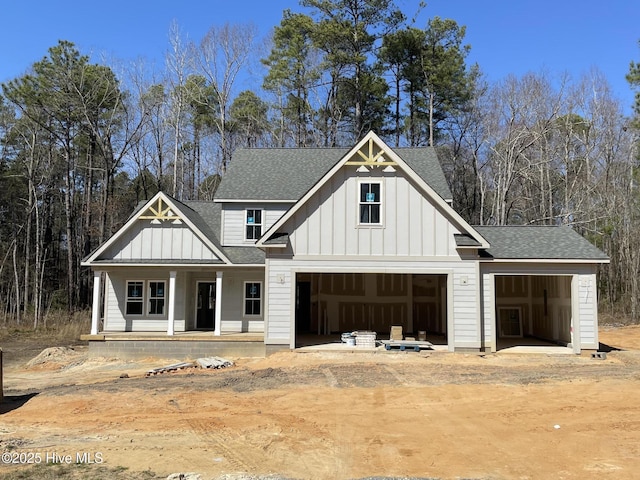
[332, 343]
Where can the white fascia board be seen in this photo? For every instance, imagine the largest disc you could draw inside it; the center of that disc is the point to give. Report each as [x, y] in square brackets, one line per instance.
[250, 200]
[542, 260]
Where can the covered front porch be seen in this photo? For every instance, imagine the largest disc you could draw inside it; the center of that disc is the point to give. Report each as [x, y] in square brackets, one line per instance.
[178, 299]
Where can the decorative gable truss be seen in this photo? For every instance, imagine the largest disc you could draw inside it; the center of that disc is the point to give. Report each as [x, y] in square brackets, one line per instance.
[369, 155]
[372, 157]
[160, 211]
[161, 232]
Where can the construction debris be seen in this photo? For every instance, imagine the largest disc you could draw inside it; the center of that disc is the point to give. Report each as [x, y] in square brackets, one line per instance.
[214, 362]
[205, 362]
[171, 368]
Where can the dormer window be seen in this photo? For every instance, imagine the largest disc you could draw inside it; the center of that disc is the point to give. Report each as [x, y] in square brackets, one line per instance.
[370, 202]
[253, 224]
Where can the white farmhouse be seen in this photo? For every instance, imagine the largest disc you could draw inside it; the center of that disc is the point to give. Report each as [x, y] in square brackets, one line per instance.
[301, 245]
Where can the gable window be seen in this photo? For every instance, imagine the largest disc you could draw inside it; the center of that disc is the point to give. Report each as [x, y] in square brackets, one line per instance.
[370, 203]
[135, 293]
[156, 298]
[253, 223]
[252, 298]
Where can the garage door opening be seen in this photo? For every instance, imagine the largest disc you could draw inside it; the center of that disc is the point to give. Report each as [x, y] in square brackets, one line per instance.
[329, 304]
[533, 310]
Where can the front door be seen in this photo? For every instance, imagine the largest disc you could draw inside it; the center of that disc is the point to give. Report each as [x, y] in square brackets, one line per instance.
[206, 305]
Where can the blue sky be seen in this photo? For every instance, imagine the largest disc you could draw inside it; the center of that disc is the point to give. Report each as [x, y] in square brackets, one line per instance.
[506, 36]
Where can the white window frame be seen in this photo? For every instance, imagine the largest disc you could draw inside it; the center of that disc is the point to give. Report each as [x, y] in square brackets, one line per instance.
[150, 298]
[245, 299]
[146, 298]
[369, 204]
[254, 224]
[136, 300]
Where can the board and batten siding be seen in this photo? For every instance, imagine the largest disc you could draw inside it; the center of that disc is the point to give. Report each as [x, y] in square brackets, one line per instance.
[115, 319]
[412, 225]
[233, 220]
[164, 241]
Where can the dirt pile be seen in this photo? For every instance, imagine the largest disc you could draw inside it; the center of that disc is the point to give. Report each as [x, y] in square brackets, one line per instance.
[55, 357]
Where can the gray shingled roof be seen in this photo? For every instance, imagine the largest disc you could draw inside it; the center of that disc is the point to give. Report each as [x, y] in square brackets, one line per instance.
[465, 240]
[288, 173]
[207, 217]
[543, 242]
[424, 161]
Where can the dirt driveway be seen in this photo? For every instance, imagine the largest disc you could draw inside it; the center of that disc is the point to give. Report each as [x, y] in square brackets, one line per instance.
[335, 416]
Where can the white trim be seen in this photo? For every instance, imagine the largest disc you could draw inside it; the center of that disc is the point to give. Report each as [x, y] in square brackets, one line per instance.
[96, 253]
[576, 340]
[492, 313]
[244, 300]
[182, 266]
[126, 298]
[172, 303]
[95, 309]
[246, 224]
[195, 306]
[541, 260]
[378, 258]
[217, 321]
[149, 298]
[251, 200]
[368, 181]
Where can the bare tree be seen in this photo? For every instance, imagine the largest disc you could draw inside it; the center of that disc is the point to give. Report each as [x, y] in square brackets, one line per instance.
[220, 57]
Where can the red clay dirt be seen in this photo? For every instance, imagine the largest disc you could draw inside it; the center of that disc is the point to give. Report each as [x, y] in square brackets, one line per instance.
[336, 415]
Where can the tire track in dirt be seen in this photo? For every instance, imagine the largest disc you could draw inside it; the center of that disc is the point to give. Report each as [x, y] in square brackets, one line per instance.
[226, 444]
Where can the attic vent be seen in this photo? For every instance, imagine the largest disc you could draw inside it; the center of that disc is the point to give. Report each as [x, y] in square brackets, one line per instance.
[159, 211]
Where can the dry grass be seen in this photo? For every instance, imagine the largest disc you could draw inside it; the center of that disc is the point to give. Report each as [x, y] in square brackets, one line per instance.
[56, 471]
[59, 327]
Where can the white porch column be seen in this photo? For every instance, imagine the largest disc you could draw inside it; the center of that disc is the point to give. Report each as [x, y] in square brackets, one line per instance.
[218, 312]
[172, 302]
[95, 309]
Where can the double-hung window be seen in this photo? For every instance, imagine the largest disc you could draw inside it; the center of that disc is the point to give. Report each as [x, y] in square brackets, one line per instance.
[252, 298]
[253, 224]
[370, 202]
[135, 297]
[156, 298]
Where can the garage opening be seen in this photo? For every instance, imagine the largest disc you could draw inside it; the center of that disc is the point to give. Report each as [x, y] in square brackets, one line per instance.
[533, 310]
[329, 304]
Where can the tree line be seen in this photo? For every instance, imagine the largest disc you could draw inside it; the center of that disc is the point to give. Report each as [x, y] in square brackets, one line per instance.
[82, 143]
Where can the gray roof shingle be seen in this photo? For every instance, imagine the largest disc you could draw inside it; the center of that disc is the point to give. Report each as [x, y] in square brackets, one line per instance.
[207, 217]
[543, 242]
[288, 173]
